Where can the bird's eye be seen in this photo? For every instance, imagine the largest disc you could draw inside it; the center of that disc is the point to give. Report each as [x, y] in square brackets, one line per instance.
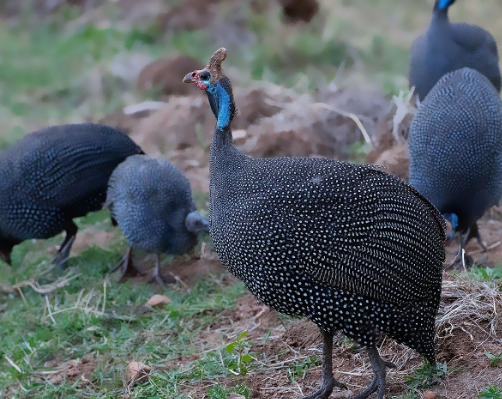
[205, 76]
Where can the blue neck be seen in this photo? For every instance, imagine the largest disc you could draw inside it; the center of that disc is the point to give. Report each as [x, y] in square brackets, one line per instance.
[224, 105]
[443, 4]
[453, 219]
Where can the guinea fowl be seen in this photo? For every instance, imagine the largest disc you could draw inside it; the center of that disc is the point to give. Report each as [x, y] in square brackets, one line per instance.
[54, 175]
[447, 47]
[151, 201]
[348, 246]
[455, 144]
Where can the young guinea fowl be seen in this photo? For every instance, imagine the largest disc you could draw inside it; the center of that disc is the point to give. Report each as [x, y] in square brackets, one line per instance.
[348, 246]
[455, 144]
[151, 201]
[447, 47]
[54, 175]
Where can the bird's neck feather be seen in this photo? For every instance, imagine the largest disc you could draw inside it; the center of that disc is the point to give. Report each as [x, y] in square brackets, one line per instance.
[439, 13]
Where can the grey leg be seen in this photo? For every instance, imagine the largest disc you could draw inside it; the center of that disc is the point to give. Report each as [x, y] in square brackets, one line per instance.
[64, 252]
[380, 369]
[328, 381]
[127, 267]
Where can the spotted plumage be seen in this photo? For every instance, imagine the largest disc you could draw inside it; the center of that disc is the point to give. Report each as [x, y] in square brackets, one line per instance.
[447, 47]
[348, 246]
[151, 200]
[455, 143]
[54, 175]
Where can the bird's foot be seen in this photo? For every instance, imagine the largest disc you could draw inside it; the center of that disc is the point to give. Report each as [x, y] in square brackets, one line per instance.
[378, 382]
[127, 267]
[374, 383]
[326, 389]
[63, 254]
[161, 280]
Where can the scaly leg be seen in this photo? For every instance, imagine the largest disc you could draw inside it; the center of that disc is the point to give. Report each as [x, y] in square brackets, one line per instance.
[380, 369]
[156, 277]
[64, 251]
[127, 267]
[328, 381]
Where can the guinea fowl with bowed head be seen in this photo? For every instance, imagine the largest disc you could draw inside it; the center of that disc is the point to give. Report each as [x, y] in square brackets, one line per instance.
[348, 246]
[54, 175]
[447, 47]
[151, 201]
[455, 144]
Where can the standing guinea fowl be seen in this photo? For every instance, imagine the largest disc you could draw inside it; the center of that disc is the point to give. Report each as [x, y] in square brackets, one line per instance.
[151, 201]
[348, 246]
[447, 47]
[54, 175]
[455, 143]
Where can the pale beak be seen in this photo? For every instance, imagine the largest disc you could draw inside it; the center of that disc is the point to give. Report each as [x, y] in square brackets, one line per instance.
[188, 78]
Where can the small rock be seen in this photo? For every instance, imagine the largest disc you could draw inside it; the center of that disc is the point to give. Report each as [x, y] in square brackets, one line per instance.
[158, 301]
[235, 396]
[430, 395]
[137, 372]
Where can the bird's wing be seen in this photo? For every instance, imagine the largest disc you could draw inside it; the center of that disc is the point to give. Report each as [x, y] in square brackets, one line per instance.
[378, 238]
[75, 172]
[473, 38]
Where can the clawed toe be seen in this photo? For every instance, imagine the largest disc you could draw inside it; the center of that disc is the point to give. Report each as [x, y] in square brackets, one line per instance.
[326, 390]
[162, 281]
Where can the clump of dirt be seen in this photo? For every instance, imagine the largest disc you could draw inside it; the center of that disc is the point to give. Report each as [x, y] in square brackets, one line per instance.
[124, 122]
[299, 10]
[391, 150]
[70, 370]
[317, 125]
[188, 122]
[164, 76]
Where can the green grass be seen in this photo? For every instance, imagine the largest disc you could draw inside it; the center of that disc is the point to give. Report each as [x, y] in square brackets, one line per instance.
[426, 376]
[492, 392]
[95, 317]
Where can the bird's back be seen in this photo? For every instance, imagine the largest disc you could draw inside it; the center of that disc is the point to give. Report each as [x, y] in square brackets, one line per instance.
[455, 145]
[58, 173]
[150, 199]
[349, 227]
[447, 47]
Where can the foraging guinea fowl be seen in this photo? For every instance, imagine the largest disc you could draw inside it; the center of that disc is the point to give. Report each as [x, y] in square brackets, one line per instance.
[151, 201]
[348, 246]
[447, 47]
[455, 144]
[54, 175]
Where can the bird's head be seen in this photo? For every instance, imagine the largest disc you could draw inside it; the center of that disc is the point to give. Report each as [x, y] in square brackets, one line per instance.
[195, 222]
[443, 4]
[217, 86]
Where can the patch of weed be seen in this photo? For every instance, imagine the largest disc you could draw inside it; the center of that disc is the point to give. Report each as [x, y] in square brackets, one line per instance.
[427, 375]
[492, 392]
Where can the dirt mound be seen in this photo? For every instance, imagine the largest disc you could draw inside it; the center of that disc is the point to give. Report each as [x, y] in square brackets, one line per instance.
[164, 76]
[299, 10]
[391, 149]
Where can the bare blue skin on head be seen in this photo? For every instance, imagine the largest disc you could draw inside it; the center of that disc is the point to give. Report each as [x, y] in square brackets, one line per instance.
[444, 4]
[453, 219]
[196, 223]
[223, 98]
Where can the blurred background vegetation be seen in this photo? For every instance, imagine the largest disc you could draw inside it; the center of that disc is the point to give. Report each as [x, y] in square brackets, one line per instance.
[76, 60]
